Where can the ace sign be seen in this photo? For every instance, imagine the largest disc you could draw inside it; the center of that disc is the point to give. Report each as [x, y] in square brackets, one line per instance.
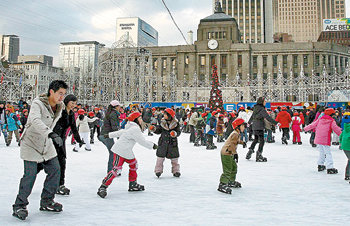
[336, 24]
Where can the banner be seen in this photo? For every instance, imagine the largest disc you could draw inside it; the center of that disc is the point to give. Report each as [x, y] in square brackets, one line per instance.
[342, 24]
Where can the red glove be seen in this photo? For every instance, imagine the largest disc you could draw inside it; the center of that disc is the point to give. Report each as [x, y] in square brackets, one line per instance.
[173, 133]
[152, 128]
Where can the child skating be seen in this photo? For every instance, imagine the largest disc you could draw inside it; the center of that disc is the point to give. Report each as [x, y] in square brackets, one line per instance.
[344, 140]
[229, 158]
[82, 124]
[122, 152]
[296, 128]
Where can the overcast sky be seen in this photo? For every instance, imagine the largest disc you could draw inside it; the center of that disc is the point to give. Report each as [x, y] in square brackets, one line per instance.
[43, 24]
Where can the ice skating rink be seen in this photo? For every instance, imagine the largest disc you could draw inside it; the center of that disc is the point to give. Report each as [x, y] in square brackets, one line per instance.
[286, 190]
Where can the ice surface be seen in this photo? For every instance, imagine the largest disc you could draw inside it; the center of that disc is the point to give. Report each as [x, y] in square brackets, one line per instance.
[287, 190]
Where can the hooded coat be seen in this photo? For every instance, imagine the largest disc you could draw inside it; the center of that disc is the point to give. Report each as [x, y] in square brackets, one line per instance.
[344, 138]
[36, 146]
[284, 118]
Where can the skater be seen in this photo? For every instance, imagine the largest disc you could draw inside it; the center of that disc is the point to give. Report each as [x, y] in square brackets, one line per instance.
[122, 152]
[284, 120]
[323, 128]
[12, 125]
[84, 130]
[344, 140]
[96, 126]
[200, 131]
[111, 123]
[2, 120]
[169, 130]
[296, 128]
[37, 149]
[258, 126]
[243, 115]
[211, 130]
[229, 158]
[192, 123]
[268, 128]
[220, 128]
[66, 121]
[337, 117]
[23, 120]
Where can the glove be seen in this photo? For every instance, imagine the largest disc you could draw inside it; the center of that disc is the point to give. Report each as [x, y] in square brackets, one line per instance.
[244, 144]
[173, 133]
[235, 157]
[152, 128]
[56, 139]
[106, 135]
[155, 147]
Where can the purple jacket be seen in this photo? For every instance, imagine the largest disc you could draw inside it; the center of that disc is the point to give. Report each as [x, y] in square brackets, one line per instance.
[323, 128]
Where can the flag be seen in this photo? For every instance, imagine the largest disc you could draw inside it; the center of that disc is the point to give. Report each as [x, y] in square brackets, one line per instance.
[20, 81]
[73, 87]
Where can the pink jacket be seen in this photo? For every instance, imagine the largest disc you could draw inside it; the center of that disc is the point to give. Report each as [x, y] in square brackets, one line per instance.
[323, 128]
[296, 123]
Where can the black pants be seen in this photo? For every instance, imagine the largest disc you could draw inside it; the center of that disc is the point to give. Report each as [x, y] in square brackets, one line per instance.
[192, 136]
[285, 133]
[210, 139]
[312, 138]
[62, 161]
[258, 137]
[93, 130]
[51, 168]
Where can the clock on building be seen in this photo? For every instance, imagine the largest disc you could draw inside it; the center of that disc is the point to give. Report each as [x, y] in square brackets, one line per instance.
[213, 44]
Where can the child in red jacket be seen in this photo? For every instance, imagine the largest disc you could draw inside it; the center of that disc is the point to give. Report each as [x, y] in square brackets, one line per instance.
[296, 128]
[284, 120]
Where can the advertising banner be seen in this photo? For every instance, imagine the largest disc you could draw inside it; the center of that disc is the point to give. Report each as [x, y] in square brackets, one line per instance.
[342, 24]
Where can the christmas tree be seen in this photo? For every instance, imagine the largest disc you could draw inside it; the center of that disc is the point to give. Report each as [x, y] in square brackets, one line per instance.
[215, 100]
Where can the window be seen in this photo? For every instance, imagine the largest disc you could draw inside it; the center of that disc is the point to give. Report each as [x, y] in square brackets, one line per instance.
[212, 60]
[164, 63]
[323, 59]
[202, 61]
[295, 60]
[223, 61]
[155, 64]
[187, 61]
[264, 61]
[329, 60]
[173, 63]
[317, 60]
[306, 60]
[274, 60]
[336, 61]
[285, 57]
[239, 60]
[255, 61]
[223, 78]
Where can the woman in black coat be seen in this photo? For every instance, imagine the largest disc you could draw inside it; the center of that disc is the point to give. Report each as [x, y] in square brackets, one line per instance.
[258, 126]
[67, 120]
[169, 130]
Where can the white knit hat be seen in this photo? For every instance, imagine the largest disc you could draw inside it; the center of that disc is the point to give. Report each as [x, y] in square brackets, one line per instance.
[115, 103]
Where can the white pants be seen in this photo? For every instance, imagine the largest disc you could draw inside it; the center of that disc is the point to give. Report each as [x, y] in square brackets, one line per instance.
[335, 137]
[86, 138]
[325, 156]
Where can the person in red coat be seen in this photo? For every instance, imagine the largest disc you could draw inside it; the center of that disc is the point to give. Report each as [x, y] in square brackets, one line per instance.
[284, 120]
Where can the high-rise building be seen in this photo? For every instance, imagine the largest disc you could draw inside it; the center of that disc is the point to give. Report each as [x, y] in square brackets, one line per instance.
[83, 55]
[304, 19]
[254, 18]
[47, 60]
[141, 33]
[9, 47]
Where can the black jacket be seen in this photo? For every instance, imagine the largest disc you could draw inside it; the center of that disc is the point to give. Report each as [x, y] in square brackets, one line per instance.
[229, 128]
[258, 116]
[66, 121]
[167, 145]
[147, 115]
[111, 123]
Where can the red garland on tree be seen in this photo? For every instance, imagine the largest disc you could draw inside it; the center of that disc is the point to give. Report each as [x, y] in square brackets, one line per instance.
[215, 101]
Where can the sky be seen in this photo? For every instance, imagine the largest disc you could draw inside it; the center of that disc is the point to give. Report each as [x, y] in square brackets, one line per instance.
[43, 24]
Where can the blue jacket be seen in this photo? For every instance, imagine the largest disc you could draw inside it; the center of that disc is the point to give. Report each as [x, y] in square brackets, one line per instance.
[12, 122]
[211, 126]
[345, 119]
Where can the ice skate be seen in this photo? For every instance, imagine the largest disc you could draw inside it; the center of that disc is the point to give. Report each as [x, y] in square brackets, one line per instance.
[224, 188]
[284, 141]
[75, 150]
[51, 206]
[134, 186]
[314, 145]
[62, 190]
[158, 174]
[102, 191]
[196, 144]
[260, 158]
[234, 184]
[20, 212]
[294, 142]
[332, 171]
[321, 168]
[300, 143]
[347, 178]
[92, 142]
[88, 149]
[249, 154]
[177, 174]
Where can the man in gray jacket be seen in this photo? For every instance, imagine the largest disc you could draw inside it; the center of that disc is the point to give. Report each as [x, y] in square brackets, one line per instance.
[38, 151]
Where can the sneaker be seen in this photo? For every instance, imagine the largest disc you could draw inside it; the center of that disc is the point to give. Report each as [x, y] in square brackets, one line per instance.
[50, 206]
[102, 191]
[177, 174]
[62, 190]
[20, 212]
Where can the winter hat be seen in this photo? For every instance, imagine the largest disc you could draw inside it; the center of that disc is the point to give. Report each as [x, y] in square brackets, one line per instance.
[153, 109]
[296, 113]
[115, 103]
[237, 122]
[134, 116]
[91, 114]
[241, 108]
[204, 114]
[284, 109]
[233, 114]
[96, 109]
[329, 111]
[214, 113]
[221, 115]
[81, 111]
[218, 110]
[25, 110]
[200, 110]
[207, 109]
[170, 112]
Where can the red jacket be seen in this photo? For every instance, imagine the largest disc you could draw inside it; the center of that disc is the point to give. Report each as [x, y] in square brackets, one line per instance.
[284, 119]
[302, 118]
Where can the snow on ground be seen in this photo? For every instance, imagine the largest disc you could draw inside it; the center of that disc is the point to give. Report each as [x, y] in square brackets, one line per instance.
[287, 190]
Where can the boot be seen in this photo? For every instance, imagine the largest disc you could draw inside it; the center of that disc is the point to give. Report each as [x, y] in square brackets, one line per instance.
[300, 143]
[260, 158]
[134, 186]
[249, 154]
[321, 168]
[284, 141]
[224, 188]
[102, 191]
[234, 184]
[20, 212]
[177, 174]
[50, 205]
[62, 190]
[332, 171]
[92, 141]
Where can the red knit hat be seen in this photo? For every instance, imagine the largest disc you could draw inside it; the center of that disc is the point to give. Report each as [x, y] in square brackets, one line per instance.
[237, 122]
[170, 112]
[134, 116]
[329, 111]
[81, 111]
[296, 113]
[91, 114]
[284, 109]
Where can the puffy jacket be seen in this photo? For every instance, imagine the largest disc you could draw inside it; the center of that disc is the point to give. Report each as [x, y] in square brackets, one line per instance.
[111, 123]
[345, 138]
[210, 128]
[193, 119]
[220, 126]
[168, 146]
[284, 118]
[36, 146]
[230, 146]
[258, 116]
[296, 123]
[345, 119]
[301, 116]
[128, 137]
[11, 122]
[83, 125]
[323, 128]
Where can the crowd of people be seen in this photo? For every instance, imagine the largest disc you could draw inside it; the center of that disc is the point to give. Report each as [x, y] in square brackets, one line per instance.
[42, 126]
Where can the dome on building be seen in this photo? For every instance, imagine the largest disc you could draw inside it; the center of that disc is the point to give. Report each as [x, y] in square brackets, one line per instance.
[218, 15]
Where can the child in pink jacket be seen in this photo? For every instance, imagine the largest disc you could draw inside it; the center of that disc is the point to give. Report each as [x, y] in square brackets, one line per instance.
[296, 128]
[324, 127]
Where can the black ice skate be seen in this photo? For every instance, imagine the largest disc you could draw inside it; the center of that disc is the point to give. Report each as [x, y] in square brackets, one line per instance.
[294, 142]
[158, 174]
[51, 206]
[300, 143]
[332, 171]
[62, 190]
[347, 178]
[284, 141]
[249, 154]
[92, 141]
[260, 158]
[75, 150]
[196, 144]
[224, 188]
[88, 149]
[321, 168]
[210, 147]
[20, 212]
[314, 145]
[134, 186]
[234, 184]
[177, 174]
[102, 191]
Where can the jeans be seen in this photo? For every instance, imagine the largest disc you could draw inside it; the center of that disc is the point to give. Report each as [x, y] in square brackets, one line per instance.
[244, 135]
[108, 142]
